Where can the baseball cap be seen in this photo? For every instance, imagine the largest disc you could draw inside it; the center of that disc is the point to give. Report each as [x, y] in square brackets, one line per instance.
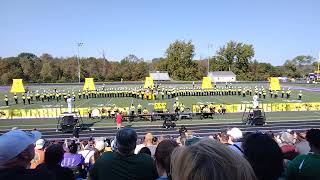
[236, 133]
[14, 142]
[39, 144]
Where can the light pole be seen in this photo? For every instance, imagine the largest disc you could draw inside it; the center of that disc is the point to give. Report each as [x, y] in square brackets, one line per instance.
[79, 44]
[209, 46]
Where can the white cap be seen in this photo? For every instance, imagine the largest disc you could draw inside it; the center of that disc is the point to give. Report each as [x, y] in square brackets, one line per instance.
[14, 142]
[39, 144]
[236, 133]
[99, 145]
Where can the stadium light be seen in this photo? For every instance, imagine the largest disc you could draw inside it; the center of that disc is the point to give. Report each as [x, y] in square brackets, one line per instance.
[79, 44]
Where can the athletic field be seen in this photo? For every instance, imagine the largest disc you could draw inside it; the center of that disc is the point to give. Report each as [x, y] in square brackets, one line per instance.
[311, 93]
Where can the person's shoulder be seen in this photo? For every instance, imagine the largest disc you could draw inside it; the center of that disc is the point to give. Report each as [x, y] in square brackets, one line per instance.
[143, 157]
[107, 155]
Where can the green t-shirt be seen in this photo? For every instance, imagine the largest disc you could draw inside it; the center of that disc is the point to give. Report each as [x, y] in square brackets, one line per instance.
[305, 166]
[112, 165]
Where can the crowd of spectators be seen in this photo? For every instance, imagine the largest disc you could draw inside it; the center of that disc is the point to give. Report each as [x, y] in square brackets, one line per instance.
[228, 155]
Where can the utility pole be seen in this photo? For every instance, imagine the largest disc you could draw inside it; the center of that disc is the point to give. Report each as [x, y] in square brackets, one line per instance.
[104, 63]
[79, 73]
[318, 73]
[209, 46]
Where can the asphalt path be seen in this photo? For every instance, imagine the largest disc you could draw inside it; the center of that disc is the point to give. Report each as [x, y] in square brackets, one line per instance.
[201, 129]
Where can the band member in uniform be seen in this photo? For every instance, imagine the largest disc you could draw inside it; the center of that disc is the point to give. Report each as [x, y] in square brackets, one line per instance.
[15, 97]
[6, 100]
[300, 95]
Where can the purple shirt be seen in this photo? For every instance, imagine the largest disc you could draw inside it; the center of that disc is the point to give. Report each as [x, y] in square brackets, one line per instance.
[72, 160]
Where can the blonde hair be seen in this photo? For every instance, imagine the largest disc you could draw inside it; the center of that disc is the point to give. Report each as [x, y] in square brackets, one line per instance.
[208, 159]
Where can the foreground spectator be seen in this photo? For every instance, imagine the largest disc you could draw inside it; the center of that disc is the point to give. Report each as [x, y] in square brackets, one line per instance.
[306, 166]
[52, 159]
[99, 150]
[74, 161]
[302, 144]
[39, 154]
[208, 160]
[264, 155]
[288, 149]
[16, 153]
[123, 163]
[163, 158]
[148, 142]
[235, 135]
[145, 150]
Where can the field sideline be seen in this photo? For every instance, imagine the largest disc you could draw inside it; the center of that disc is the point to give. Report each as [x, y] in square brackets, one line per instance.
[227, 118]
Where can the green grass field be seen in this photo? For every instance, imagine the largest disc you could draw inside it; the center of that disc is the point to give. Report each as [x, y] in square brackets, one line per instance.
[309, 95]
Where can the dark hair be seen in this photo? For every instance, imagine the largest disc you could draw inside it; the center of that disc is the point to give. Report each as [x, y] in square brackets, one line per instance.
[145, 150]
[163, 154]
[108, 142]
[73, 147]
[126, 140]
[224, 136]
[264, 155]
[54, 154]
[313, 137]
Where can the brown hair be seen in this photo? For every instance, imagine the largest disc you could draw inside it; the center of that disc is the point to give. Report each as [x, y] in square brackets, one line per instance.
[163, 154]
[208, 159]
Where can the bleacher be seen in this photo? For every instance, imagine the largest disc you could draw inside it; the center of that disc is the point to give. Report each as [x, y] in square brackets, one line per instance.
[160, 75]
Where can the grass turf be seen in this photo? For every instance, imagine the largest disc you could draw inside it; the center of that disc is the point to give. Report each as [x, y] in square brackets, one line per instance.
[308, 96]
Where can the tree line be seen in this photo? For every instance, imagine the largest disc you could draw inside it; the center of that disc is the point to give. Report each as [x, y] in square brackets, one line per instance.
[178, 61]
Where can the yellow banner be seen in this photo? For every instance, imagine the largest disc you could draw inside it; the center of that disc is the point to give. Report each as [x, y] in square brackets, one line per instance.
[160, 105]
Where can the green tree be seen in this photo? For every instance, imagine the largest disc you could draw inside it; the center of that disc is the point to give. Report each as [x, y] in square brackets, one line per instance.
[237, 57]
[179, 57]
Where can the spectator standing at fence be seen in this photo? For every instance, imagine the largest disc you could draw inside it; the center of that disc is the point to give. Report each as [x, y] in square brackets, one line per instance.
[306, 166]
[123, 164]
[118, 120]
[52, 159]
[16, 153]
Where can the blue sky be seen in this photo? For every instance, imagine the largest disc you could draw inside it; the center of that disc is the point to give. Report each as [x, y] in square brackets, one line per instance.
[278, 29]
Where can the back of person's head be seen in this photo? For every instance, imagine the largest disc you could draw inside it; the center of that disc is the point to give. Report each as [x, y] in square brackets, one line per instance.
[54, 154]
[148, 138]
[313, 137]
[223, 137]
[235, 134]
[163, 154]
[145, 150]
[208, 159]
[73, 147]
[287, 138]
[264, 155]
[126, 140]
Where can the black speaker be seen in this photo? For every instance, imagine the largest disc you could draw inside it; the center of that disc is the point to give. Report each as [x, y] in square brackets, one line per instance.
[256, 113]
[68, 123]
[258, 121]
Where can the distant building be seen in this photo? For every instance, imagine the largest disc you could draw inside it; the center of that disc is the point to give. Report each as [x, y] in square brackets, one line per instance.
[159, 75]
[222, 76]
